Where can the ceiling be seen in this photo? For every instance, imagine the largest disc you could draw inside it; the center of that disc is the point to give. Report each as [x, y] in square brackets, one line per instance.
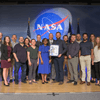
[90, 2]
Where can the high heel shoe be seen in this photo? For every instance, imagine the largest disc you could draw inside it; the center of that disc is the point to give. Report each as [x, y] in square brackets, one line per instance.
[43, 82]
[46, 81]
[6, 85]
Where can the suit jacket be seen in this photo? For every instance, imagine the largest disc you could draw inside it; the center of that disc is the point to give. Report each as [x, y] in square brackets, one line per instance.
[4, 52]
[38, 43]
[49, 42]
[62, 46]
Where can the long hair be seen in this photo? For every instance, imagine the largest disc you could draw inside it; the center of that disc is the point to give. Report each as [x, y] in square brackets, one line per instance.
[95, 43]
[90, 37]
[25, 40]
[9, 41]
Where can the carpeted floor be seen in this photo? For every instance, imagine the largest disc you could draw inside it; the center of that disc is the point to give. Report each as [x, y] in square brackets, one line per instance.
[51, 96]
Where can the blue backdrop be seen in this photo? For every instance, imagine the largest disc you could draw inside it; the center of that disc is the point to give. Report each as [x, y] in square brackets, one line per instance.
[46, 18]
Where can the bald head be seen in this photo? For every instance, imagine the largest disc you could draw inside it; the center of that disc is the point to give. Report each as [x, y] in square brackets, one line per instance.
[21, 39]
[78, 37]
[50, 36]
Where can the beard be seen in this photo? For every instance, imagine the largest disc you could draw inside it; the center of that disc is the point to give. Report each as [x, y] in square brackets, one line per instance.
[21, 42]
[84, 39]
[58, 38]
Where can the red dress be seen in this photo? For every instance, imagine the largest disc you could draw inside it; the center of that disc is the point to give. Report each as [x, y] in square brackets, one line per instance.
[5, 63]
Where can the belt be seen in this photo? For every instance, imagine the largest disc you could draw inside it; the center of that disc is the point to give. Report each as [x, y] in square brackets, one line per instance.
[74, 56]
[85, 55]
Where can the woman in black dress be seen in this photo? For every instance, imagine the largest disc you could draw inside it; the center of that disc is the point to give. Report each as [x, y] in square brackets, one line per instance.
[26, 45]
[6, 56]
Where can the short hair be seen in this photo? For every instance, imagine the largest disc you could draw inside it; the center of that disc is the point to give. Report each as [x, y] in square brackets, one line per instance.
[73, 35]
[50, 33]
[78, 34]
[21, 36]
[58, 32]
[44, 39]
[33, 39]
[14, 34]
[84, 34]
[64, 36]
[38, 35]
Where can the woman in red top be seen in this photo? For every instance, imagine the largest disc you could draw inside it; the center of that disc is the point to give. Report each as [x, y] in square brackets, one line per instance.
[6, 56]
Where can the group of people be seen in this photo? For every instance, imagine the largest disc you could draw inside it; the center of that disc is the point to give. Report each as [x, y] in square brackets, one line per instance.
[36, 63]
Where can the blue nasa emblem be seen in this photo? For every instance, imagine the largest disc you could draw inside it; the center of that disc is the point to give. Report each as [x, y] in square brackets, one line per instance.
[52, 21]
[45, 25]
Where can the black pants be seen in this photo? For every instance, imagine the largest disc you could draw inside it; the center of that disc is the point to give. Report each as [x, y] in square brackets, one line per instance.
[93, 75]
[58, 63]
[38, 76]
[27, 68]
[1, 70]
[97, 69]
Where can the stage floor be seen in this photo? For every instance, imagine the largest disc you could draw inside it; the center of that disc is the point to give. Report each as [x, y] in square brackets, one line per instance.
[48, 88]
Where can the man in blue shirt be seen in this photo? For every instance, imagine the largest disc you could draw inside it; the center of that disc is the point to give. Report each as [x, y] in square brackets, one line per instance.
[85, 55]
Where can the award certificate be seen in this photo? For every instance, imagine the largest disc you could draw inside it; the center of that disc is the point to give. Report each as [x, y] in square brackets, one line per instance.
[54, 50]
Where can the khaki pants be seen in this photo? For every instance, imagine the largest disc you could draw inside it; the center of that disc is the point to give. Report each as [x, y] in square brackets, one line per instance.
[66, 63]
[80, 72]
[11, 68]
[86, 61]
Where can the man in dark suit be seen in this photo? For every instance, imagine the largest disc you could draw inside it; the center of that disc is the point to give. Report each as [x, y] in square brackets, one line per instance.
[58, 61]
[53, 73]
[38, 43]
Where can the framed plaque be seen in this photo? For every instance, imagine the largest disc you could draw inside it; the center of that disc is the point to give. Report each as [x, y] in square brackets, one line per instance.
[54, 50]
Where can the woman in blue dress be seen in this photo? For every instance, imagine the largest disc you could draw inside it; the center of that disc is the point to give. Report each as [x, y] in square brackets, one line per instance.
[44, 61]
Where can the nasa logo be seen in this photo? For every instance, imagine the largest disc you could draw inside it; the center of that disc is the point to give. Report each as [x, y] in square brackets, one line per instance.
[50, 22]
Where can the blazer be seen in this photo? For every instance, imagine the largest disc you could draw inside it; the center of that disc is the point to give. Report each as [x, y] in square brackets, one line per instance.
[4, 52]
[49, 42]
[38, 43]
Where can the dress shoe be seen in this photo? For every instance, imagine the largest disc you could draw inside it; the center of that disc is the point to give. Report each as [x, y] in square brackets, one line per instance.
[70, 81]
[48, 79]
[60, 83]
[92, 81]
[82, 82]
[54, 81]
[88, 83]
[75, 83]
[16, 82]
[11, 80]
[24, 81]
